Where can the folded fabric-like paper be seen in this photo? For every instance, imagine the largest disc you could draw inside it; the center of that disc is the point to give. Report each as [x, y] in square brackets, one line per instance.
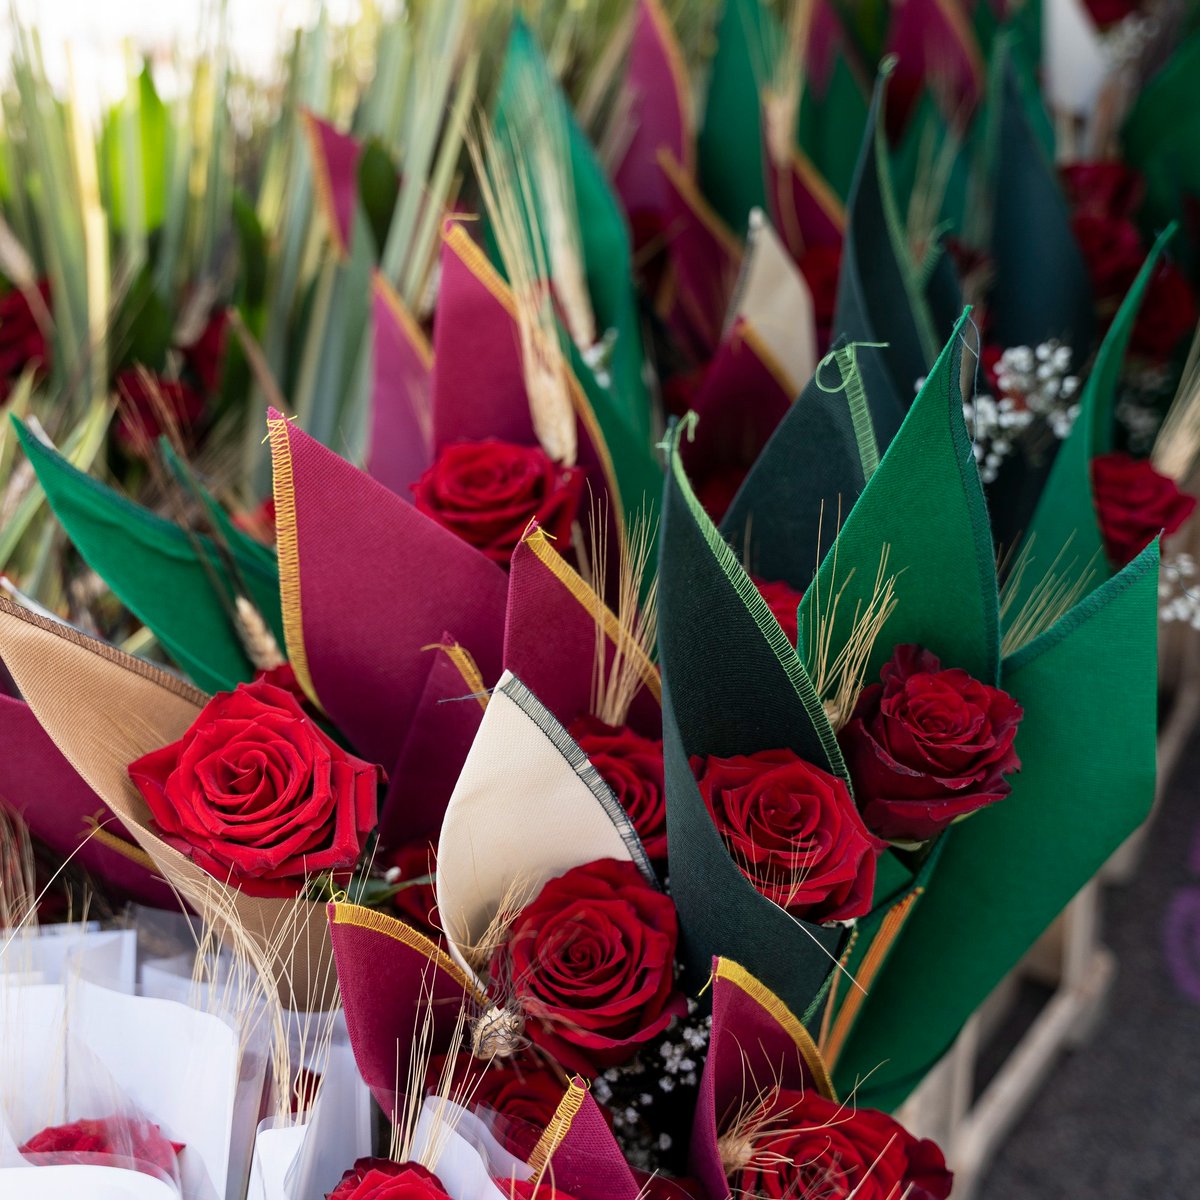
[335, 159]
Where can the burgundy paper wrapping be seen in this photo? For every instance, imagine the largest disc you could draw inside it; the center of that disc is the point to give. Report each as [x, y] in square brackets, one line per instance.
[657, 88]
[705, 259]
[756, 1044]
[936, 49]
[367, 581]
[392, 980]
[401, 395]
[440, 733]
[335, 176]
[805, 210]
[743, 398]
[550, 637]
[38, 783]
[578, 1153]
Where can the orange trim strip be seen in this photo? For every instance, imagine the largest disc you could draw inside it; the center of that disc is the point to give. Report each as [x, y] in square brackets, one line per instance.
[685, 185]
[766, 999]
[322, 181]
[679, 77]
[560, 1125]
[408, 325]
[872, 961]
[287, 545]
[119, 845]
[345, 913]
[460, 656]
[558, 566]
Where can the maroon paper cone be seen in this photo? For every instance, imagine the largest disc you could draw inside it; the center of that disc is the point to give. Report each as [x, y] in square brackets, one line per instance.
[335, 176]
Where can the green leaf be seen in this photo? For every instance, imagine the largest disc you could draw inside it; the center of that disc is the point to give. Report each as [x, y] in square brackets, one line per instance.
[145, 161]
[252, 248]
[378, 185]
[1087, 747]
[155, 569]
[143, 329]
[925, 504]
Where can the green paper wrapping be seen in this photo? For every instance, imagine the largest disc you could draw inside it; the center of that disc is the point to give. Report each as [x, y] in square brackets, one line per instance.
[1087, 746]
[155, 570]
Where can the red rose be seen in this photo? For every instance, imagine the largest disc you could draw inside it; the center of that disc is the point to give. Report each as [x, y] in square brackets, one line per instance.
[205, 357]
[519, 1089]
[632, 766]
[1109, 12]
[928, 746]
[1103, 189]
[1134, 504]
[22, 342]
[151, 406]
[793, 830]
[383, 1179]
[113, 1137]
[592, 964]
[256, 793]
[1167, 314]
[411, 869]
[488, 492]
[1113, 253]
[820, 267]
[784, 602]
[800, 1144]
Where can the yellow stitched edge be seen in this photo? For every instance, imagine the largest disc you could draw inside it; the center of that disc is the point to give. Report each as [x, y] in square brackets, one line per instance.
[408, 325]
[818, 188]
[766, 999]
[562, 570]
[889, 930]
[460, 656]
[679, 77]
[287, 546]
[685, 185]
[322, 181]
[474, 259]
[345, 913]
[118, 844]
[766, 356]
[560, 1125]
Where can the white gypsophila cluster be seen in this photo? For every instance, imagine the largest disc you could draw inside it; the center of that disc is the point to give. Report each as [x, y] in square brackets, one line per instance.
[1178, 596]
[1145, 389]
[1036, 398]
[634, 1090]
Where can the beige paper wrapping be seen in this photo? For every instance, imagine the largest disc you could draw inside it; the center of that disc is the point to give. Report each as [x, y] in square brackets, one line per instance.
[104, 709]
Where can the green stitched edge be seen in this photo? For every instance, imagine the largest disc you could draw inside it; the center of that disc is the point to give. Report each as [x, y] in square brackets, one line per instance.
[750, 596]
[846, 358]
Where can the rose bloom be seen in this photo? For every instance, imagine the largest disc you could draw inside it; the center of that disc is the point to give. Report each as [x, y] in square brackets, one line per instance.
[632, 765]
[793, 830]
[258, 795]
[205, 357]
[1102, 189]
[592, 965]
[488, 492]
[22, 342]
[1167, 314]
[383, 1179]
[411, 868]
[800, 1144]
[522, 1088]
[113, 1137]
[152, 405]
[926, 746]
[1134, 504]
[784, 602]
[1113, 253]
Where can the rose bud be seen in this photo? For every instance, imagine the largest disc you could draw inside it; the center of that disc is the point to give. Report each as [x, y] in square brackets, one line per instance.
[258, 795]
[926, 746]
[384, 1179]
[793, 830]
[632, 765]
[488, 492]
[800, 1144]
[152, 405]
[784, 602]
[1134, 504]
[112, 1137]
[592, 965]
